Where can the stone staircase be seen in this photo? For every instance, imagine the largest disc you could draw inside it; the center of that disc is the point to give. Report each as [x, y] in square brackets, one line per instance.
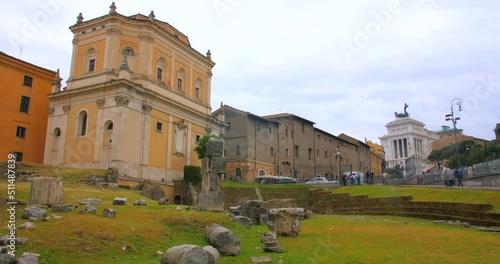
[324, 202]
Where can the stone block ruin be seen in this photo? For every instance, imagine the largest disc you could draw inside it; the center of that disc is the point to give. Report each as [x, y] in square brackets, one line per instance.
[211, 197]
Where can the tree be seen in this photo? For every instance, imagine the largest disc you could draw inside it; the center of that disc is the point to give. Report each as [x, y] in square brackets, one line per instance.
[201, 148]
[192, 174]
[396, 172]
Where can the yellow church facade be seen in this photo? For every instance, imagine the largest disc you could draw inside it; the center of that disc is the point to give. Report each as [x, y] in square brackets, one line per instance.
[138, 98]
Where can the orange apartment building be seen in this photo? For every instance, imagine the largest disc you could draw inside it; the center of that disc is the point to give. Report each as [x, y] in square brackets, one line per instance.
[23, 111]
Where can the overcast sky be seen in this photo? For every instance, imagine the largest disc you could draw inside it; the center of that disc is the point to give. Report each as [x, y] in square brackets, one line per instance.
[345, 66]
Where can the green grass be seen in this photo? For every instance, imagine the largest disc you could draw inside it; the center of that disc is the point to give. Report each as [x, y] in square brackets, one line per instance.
[458, 195]
[77, 238]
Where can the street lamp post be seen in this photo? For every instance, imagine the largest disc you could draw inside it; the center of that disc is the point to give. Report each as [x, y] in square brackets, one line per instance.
[338, 165]
[451, 117]
[109, 152]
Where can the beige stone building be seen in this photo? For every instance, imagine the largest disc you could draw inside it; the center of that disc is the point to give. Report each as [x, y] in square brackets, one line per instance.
[359, 155]
[377, 160]
[447, 138]
[287, 145]
[251, 144]
[137, 98]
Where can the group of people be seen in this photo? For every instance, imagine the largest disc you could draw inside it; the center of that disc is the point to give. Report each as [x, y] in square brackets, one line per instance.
[355, 178]
[449, 176]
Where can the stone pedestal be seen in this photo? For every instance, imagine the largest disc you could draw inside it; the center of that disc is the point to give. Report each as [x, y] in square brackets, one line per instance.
[286, 221]
[211, 201]
[46, 191]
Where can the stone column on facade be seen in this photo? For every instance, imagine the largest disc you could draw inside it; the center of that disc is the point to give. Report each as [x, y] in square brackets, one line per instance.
[112, 58]
[144, 63]
[173, 79]
[146, 109]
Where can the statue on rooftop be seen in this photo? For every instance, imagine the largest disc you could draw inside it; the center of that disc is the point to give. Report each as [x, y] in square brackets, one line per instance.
[404, 114]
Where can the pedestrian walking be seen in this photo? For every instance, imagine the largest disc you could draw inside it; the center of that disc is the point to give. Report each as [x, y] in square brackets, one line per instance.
[459, 175]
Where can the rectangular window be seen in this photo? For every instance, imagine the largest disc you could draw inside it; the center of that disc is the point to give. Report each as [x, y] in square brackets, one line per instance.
[310, 153]
[159, 72]
[159, 126]
[91, 65]
[270, 130]
[317, 152]
[286, 152]
[286, 132]
[326, 154]
[21, 132]
[228, 125]
[19, 156]
[296, 151]
[271, 151]
[197, 139]
[258, 126]
[25, 104]
[197, 92]
[28, 81]
[179, 84]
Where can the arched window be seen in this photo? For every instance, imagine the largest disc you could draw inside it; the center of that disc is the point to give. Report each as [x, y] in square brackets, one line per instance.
[90, 60]
[238, 174]
[262, 172]
[128, 52]
[238, 150]
[56, 135]
[197, 89]
[107, 133]
[161, 69]
[180, 78]
[82, 124]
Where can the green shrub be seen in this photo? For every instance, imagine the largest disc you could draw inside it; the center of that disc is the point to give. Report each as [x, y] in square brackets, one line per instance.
[192, 174]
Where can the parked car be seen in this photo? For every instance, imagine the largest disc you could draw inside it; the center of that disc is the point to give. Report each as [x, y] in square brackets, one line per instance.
[318, 180]
[269, 179]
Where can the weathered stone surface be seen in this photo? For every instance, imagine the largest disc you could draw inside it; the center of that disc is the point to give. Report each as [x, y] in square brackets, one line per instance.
[263, 219]
[7, 259]
[286, 221]
[152, 191]
[108, 212]
[211, 198]
[258, 260]
[28, 258]
[113, 175]
[185, 254]
[279, 203]
[270, 242]
[211, 201]
[243, 220]
[140, 203]
[62, 208]
[191, 195]
[34, 212]
[309, 214]
[93, 201]
[224, 240]
[46, 190]
[27, 225]
[34, 219]
[119, 201]
[215, 147]
[88, 209]
[212, 254]
[440, 222]
[163, 201]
